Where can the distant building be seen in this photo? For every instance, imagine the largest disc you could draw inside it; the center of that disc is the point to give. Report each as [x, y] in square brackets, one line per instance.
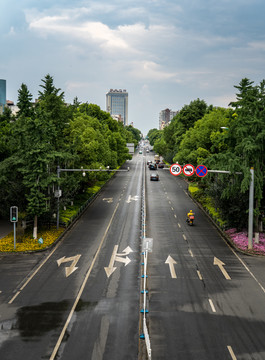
[165, 117]
[117, 105]
[14, 108]
[2, 95]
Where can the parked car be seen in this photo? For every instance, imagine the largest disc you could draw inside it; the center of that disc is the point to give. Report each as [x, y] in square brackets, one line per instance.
[161, 165]
[154, 177]
[152, 167]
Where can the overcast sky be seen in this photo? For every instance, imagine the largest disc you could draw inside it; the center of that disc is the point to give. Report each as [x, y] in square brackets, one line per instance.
[165, 53]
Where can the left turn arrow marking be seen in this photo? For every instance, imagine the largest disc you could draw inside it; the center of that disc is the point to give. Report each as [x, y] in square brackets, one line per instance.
[69, 269]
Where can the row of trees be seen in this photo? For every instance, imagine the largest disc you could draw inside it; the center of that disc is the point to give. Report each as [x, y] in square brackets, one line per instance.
[222, 139]
[50, 133]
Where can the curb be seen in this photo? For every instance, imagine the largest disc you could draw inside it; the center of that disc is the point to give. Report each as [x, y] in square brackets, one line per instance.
[221, 231]
[68, 228]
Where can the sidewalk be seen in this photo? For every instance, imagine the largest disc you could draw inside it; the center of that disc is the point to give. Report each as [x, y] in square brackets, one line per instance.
[5, 227]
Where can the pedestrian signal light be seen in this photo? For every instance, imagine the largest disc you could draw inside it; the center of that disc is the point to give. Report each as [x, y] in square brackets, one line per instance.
[14, 214]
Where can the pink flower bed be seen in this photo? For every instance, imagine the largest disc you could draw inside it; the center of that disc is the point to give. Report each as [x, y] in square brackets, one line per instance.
[240, 239]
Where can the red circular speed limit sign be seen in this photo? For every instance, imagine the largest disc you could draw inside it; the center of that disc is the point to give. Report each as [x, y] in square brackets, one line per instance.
[175, 169]
[188, 169]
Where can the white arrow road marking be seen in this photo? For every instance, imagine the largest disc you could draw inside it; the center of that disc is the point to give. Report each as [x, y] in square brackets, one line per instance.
[126, 251]
[220, 264]
[171, 263]
[118, 257]
[126, 260]
[110, 269]
[108, 200]
[134, 198]
[69, 269]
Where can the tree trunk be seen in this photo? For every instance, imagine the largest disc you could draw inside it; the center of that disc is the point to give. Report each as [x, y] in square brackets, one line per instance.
[35, 227]
[256, 224]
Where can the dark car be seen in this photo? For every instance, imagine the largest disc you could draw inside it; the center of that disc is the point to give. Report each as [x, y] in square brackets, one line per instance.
[161, 165]
[152, 167]
[154, 177]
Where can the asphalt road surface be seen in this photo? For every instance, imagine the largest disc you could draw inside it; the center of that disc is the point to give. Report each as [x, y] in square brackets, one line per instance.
[82, 298]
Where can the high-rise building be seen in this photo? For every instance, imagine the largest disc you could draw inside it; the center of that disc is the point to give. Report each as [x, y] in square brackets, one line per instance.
[117, 104]
[165, 117]
[2, 94]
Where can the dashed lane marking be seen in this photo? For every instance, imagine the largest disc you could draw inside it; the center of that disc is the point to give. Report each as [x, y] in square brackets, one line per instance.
[212, 305]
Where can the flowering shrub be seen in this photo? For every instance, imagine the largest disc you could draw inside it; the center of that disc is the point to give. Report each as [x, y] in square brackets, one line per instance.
[240, 239]
[27, 243]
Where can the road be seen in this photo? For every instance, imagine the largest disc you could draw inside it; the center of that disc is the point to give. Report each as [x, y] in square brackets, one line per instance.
[212, 305]
[82, 299]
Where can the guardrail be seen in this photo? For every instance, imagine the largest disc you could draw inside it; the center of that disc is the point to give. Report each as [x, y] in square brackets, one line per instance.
[145, 249]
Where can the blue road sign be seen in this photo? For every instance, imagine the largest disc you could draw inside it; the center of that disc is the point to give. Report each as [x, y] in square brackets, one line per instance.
[201, 170]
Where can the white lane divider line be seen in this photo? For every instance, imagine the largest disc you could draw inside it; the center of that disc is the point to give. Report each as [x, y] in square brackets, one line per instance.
[184, 237]
[191, 253]
[179, 225]
[233, 356]
[175, 215]
[199, 274]
[212, 305]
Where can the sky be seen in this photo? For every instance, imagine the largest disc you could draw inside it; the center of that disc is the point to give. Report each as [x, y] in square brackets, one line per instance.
[165, 53]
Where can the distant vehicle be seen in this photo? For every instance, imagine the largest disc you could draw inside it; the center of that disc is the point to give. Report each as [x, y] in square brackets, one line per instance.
[147, 150]
[140, 152]
[149, 162]
[161, 165]
[154, 177]
[157, 159]
[152, 166]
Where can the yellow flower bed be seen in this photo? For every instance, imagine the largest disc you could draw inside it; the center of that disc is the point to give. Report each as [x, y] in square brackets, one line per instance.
[27, 243]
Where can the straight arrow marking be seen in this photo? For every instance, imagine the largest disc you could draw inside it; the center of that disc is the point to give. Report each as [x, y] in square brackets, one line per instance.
[110, 269]
[220, 264]
[170, 261]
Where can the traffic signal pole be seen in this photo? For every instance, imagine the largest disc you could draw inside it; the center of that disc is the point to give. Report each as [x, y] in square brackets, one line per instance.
[14, 220]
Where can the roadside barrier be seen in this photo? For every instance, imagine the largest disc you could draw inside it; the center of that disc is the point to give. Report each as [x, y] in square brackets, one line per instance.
[144, 291]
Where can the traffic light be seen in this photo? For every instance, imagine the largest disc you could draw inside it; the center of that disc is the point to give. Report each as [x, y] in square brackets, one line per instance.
[14, 214]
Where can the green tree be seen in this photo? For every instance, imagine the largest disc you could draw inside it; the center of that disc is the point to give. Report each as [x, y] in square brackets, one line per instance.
[24, 102]
[249, 133]
[204, 138]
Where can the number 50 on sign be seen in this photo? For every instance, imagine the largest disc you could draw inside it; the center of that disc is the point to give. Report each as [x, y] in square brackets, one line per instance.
[175, 169]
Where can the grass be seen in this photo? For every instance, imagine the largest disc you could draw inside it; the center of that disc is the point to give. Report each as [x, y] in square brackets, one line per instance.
[207, 203]
[27, 243]
[239, 239]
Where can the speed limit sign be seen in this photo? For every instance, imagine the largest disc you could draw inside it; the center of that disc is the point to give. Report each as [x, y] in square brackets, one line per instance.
[175, 169]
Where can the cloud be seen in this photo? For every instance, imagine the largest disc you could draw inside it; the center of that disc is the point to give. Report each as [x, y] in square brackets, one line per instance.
[149, 70]
[257, 45]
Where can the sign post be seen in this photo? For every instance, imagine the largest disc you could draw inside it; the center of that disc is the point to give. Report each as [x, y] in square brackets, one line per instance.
[14, 219]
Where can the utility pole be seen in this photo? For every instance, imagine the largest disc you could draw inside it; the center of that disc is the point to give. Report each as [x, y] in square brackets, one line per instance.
[250, 214]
